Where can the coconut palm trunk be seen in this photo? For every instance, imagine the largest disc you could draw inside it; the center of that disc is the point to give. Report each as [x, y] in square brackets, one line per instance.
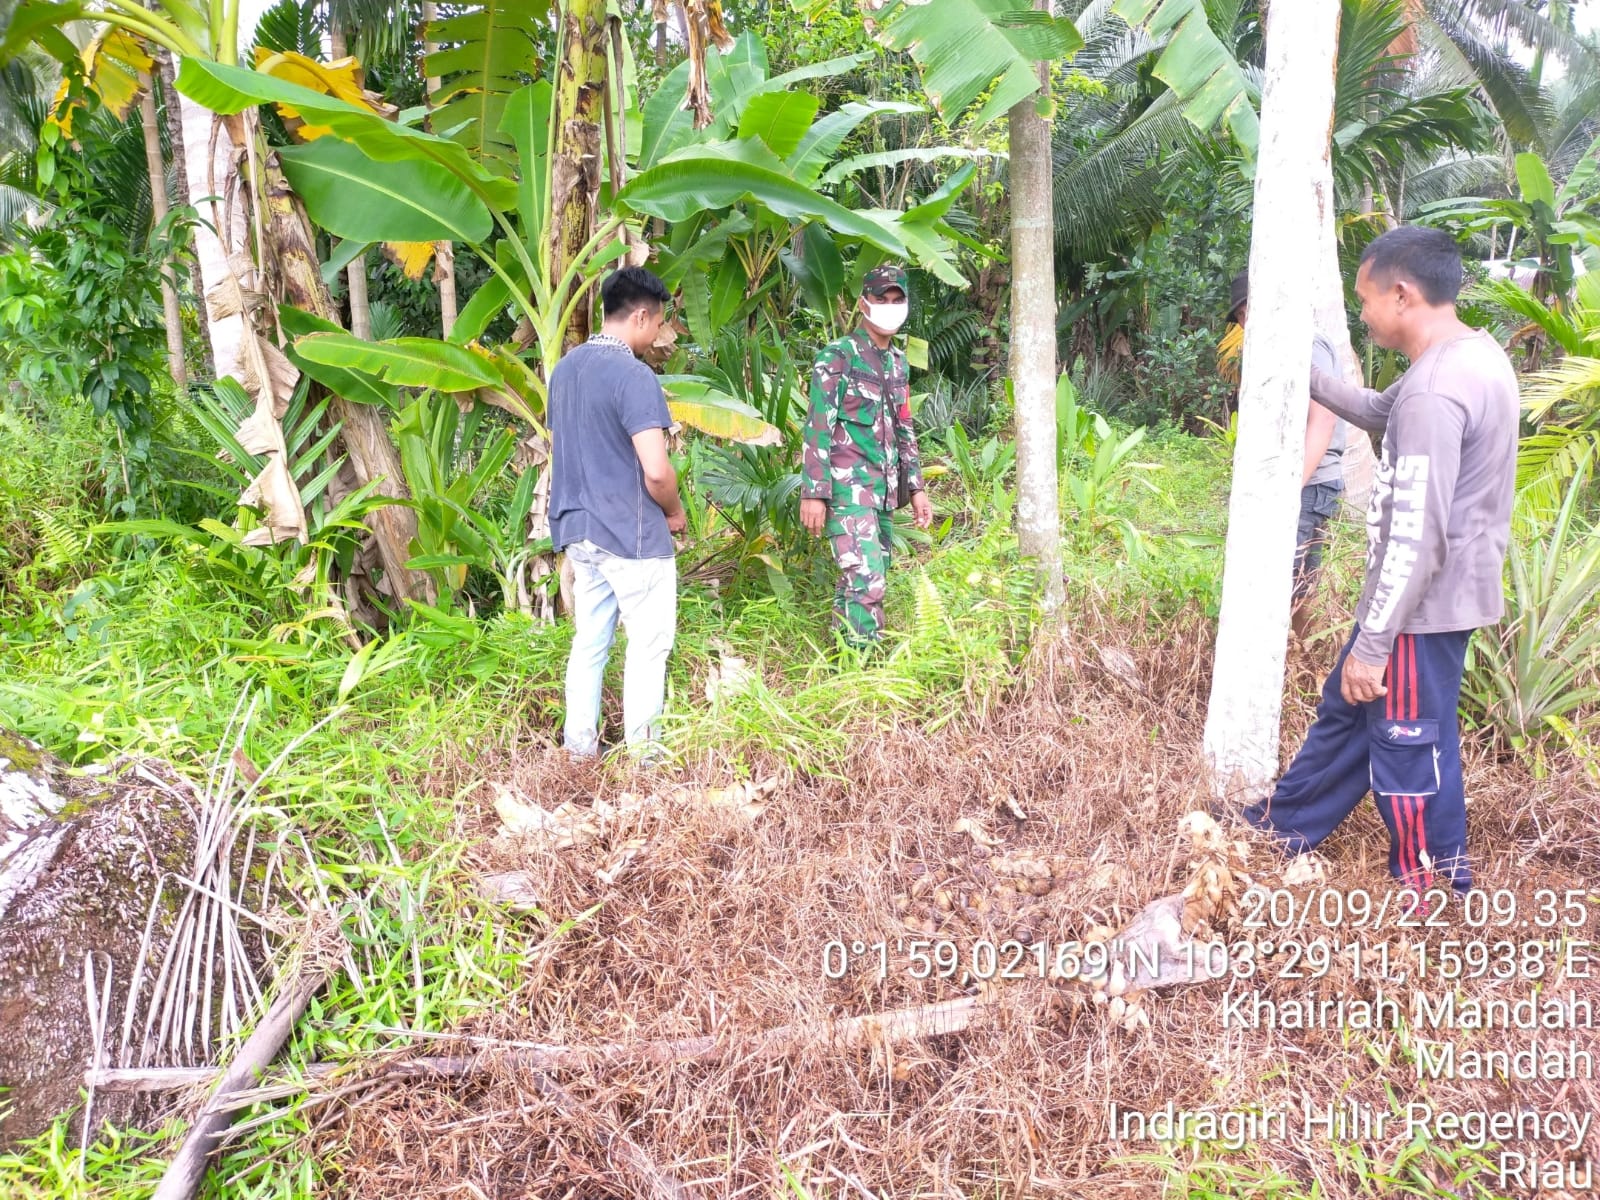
[1033, 342]
[156, 166]
[1242, 722]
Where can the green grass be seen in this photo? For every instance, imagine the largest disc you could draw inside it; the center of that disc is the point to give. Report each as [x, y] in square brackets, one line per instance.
[143, 648]
[1208, 1172]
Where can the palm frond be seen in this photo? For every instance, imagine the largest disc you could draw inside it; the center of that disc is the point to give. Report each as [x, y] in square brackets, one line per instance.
[1535, 29]
[1515, 299]
[20, 101]
[1506, 85]
[1549, 458]
[1574, 381]
[951, 332]
[292, 25]
[1418, 129]
[1576, 105]
[1367, 29]
[1473, 175]
[383, 28]
[114, 151]
[1113, 52]
[1112, 190]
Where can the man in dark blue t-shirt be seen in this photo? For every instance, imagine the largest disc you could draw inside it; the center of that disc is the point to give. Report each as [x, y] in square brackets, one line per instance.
[614, 507]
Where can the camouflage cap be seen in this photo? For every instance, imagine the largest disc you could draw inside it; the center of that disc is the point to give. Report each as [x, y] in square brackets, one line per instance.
[881, 279]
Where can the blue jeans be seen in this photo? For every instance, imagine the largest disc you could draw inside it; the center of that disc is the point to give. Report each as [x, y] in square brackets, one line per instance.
[643, 592]
[1318, 503]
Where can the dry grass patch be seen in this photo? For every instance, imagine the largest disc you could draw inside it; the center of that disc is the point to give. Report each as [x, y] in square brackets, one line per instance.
[717, 930]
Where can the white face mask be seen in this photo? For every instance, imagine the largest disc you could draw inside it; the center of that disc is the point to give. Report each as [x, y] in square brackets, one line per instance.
[887, 317]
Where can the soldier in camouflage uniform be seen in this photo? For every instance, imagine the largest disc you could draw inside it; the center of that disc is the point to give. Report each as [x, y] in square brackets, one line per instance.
[858, 436]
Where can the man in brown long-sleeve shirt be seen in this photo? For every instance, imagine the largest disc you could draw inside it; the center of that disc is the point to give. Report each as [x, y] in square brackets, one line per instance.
[1437, 529]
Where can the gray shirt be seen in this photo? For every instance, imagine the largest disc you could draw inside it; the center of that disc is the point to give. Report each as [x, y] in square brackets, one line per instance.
[1440, 515]
[1331, 468]
[600, 396]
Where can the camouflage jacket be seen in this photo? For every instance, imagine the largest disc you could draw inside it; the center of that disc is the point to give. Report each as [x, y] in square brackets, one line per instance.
[859, 426]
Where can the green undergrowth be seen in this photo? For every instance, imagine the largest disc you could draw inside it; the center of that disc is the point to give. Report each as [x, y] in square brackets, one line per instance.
[154, 648]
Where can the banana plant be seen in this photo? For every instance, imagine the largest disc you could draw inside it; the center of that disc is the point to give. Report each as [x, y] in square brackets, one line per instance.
[1198, 66]
[764, 187]
[206, 35]
[1558, 223]
[978, 50]
[436, 441]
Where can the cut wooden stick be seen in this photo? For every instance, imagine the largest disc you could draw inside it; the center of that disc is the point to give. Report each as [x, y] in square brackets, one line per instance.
[188, 1167]
[898, 1025]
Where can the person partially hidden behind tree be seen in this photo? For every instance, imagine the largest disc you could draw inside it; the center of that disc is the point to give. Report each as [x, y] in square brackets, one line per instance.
[859, 450]
[1437, 530]
[1321, 482]
[614, 507]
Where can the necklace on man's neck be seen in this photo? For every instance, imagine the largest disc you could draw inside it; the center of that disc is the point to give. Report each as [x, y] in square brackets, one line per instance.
[608, 341]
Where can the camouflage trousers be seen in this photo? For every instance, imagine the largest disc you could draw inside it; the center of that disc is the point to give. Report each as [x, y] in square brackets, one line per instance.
[860, 539]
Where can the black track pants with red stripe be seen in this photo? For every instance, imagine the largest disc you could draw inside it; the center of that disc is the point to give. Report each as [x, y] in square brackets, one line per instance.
[1404, 747]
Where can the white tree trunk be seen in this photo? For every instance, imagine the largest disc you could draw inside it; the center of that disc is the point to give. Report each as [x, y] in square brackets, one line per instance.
[1033, 347]
[209, 161]
[1293, 205]
[1333, 322]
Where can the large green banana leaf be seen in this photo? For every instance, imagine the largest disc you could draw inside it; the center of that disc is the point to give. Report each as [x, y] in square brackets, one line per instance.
[490, 48]
[825, 137]
[780, 119]
[1198, 67]
[227, 90]
[403, 362]
[722, 173]
[362, 389]
[353, 196]
[973, 48]
[893, 158]
[526, 122]
[699, 403]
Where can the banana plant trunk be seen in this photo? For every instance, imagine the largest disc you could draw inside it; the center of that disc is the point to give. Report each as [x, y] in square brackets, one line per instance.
[208, 163]
[156, 167]
[225, 157]
[173, 110]
[1033, 343]
[356, 272]
[364, 432]
[575, 163]
[1293, 203]
[444, 256]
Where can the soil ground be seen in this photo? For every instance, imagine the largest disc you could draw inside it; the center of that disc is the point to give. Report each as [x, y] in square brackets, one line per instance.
[719, 929]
